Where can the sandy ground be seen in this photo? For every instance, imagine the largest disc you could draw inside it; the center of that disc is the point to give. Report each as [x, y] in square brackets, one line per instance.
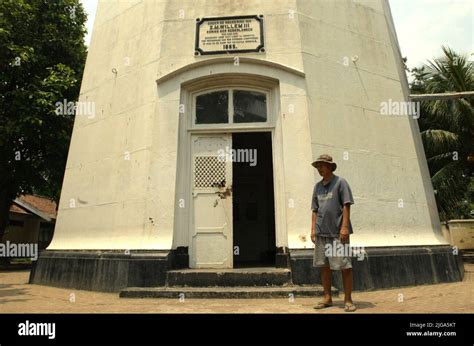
[17, 296]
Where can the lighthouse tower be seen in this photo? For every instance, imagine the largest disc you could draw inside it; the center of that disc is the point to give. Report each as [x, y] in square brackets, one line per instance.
[194, 166]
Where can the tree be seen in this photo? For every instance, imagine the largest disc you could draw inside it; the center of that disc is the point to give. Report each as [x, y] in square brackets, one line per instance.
[42, 60]
[447, 131]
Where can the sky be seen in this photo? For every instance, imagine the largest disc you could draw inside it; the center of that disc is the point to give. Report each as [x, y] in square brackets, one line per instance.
[422, 26]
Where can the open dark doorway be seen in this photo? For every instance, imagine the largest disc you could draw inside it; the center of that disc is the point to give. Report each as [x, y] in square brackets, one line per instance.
[253, 200]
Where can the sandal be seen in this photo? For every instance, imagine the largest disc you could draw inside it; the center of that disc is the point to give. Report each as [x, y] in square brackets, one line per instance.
[323, 305]
[349, 307]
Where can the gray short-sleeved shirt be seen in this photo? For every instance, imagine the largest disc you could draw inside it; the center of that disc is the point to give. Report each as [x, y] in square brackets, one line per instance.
[328, 201]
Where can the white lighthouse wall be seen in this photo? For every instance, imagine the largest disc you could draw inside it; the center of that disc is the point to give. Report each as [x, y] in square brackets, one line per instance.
[130, 204]
[120, 181]
[376, 153]
[107, 173]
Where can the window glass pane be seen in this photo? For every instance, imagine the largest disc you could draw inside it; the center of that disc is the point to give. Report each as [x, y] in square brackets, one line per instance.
[249, 106]
[212, 108]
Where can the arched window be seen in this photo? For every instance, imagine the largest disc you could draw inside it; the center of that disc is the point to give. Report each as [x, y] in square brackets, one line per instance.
[230, 106]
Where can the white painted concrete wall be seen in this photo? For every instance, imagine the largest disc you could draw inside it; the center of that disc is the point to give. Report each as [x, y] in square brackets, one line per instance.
[109, 202]
[385, 162]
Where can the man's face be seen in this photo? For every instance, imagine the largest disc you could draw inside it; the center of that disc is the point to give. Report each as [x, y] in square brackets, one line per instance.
[324, 169]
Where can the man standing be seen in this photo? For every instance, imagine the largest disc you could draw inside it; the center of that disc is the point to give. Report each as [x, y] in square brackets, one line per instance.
[331, 228]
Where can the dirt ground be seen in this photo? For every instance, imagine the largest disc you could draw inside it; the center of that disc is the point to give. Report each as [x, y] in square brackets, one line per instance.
[17, 296]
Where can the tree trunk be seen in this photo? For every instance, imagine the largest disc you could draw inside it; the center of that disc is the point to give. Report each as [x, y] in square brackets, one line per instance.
[7, 195]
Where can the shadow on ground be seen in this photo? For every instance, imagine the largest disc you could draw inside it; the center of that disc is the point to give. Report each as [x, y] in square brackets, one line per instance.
[361, 305]
[8, 290]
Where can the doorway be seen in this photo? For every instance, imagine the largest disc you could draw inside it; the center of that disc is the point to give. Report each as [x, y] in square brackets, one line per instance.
[232, 215]
[253, 200]
[233, 223]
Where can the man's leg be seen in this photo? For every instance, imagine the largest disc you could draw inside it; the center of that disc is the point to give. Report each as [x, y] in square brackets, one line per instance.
[347, 282]
[326, 281]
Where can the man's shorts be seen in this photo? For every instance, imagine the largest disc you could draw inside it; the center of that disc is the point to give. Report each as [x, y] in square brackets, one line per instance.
[328, 252]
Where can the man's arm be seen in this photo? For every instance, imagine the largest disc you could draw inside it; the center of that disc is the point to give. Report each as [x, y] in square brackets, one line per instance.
[346, 215]
[314, 219]
[347, 199]
[314, 214]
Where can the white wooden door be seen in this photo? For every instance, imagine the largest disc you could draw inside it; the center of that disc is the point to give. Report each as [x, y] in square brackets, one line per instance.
[211, 230]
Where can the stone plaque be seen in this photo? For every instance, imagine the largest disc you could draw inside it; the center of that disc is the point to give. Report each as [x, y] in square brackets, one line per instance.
[226, 35]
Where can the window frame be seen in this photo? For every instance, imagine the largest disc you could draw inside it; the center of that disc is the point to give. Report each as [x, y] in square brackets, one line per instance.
[230, 124]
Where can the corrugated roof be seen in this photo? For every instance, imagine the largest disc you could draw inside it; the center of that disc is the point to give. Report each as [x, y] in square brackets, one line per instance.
[32, 204]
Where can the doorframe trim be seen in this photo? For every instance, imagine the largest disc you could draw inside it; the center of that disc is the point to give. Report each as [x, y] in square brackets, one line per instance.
[182, 216]
[229, 60]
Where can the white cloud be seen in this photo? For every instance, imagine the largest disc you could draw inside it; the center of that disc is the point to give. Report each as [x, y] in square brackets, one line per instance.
[423, 26]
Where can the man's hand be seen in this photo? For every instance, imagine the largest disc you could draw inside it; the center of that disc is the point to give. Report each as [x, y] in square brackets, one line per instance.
[314, 221]
[344, 234]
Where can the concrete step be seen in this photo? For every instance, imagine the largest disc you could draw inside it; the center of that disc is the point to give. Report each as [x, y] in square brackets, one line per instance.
[468, 271]
[289, 292]
[468, 276]
[229, 277]
[467, 256]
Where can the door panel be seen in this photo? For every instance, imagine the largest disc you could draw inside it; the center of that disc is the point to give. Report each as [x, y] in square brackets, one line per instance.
[211, 235]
